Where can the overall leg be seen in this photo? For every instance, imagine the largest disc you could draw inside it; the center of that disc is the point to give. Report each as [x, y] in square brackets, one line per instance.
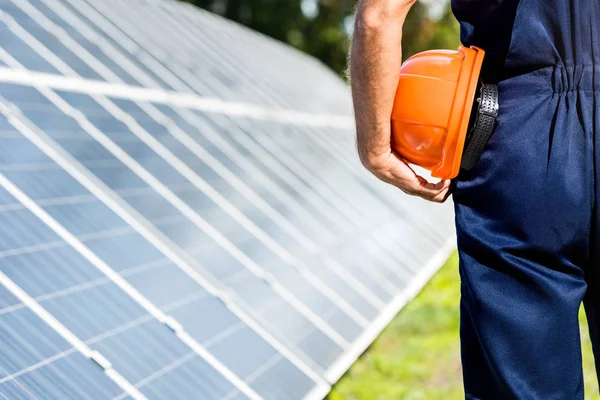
[523, 218]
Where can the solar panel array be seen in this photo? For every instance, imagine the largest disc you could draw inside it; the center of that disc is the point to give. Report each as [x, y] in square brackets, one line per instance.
[182, 213]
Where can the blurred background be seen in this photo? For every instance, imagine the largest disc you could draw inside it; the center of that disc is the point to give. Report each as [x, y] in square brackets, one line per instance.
[183, 214]
[321, 27]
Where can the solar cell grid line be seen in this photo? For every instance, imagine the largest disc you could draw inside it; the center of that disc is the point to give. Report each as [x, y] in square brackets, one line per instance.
[204, 44]
[185, 139]
[202, 28]
[265, 93]
[26, 14]
[279, 58]
[113, 35]
[282, 350]
[117, 343]
[338, 188]
[413, 255]
[390, 253]
[251, 163]
[328, 259]
[390, 266]
[289, 180]
[70, 338]
[375, 257]
[52, 45]
[138, 29]
[401, 210]
[183, 207]
[126, 287]
[52, 150]
[269, 164]
[204, 87]
[205, 137]
[305, 171]
[348, 158]
[39, 363]
[250, 131]
[283, 75]
[308, 244]
[346, 154]
[420, 239]
[285, 139]
[332, 153]
[203, 141]
[29, 17]
[72, 23]
[13, 43]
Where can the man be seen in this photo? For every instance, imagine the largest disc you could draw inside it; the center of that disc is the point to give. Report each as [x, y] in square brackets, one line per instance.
[527, 214]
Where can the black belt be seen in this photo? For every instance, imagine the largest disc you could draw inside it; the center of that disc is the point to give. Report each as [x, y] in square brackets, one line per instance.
[484, 121]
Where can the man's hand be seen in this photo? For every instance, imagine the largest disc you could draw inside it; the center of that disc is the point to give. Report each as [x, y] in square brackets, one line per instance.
[391, 169]
[375, 61]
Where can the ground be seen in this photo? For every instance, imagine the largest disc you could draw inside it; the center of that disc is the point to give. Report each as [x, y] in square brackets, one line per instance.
[417, 355]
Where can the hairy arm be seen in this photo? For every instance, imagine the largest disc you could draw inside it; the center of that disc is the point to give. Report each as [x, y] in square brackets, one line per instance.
[375, 60]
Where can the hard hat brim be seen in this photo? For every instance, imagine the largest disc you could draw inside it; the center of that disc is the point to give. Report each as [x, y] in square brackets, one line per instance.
[461, 113]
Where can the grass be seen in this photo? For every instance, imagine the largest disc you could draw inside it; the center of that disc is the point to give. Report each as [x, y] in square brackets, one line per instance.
[418, 355]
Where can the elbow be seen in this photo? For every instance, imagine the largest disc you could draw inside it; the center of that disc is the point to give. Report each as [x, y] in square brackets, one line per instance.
[376, 15]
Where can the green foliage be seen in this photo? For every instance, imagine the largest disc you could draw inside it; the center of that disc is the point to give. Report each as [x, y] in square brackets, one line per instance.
[324, 34]
[418, 357]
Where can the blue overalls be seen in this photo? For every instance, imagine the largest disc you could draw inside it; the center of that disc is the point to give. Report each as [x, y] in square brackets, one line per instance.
[527, 216]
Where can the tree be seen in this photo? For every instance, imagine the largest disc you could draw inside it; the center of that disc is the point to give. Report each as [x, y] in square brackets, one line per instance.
[324, 32]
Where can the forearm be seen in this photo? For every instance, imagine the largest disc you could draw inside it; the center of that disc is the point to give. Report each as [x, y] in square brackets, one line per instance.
[375, 61]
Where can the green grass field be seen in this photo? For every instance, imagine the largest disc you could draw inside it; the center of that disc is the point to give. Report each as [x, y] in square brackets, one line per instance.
[417, 356]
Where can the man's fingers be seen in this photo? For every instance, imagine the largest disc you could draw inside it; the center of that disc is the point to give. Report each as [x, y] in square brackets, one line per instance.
[395, 171]
[419, 186]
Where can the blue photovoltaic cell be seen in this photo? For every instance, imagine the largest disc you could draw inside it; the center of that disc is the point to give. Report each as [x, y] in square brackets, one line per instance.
[150, 272]
[47, 39]
[304, 216]
[349, 328]
[93, 308]
[285, 177]
[54, 10]
[21, 52]
[35, 362]
[84, 13]
[311, 343]
[333, 281]
[101, 314]
[137, 193]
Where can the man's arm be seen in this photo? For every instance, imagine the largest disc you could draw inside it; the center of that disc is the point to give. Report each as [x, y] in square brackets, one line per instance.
[376, 57]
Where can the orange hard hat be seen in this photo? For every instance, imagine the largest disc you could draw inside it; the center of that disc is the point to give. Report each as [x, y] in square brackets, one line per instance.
[433, 106]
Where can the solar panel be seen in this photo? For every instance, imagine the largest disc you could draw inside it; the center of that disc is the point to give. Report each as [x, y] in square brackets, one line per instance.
[38, 363]
[181, 206]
